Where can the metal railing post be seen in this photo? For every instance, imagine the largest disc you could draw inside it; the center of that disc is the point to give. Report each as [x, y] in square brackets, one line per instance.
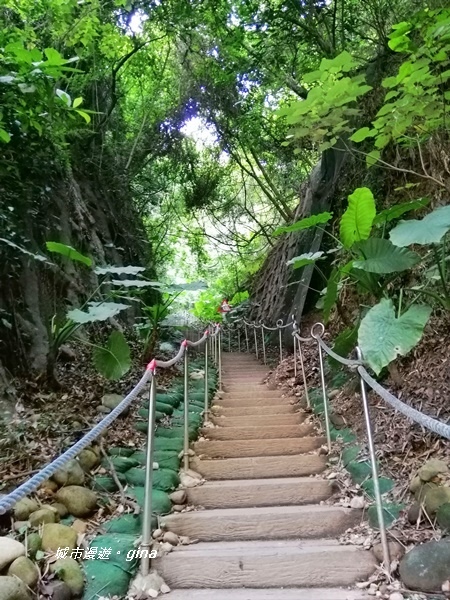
[239, 339]
[302, 366]
[186, 407]
[322, 379]
[229, 338]
[147, 516]
[219, 337]
[376, 483]
[256, 342]
[206, 415]
[246, 337]
[280, 338]
[263, 342]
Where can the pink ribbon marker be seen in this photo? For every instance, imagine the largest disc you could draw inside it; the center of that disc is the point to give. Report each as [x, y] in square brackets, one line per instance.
[152, 366]
[184, 343]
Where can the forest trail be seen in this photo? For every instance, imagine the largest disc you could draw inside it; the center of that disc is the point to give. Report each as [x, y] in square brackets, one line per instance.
[262, 532]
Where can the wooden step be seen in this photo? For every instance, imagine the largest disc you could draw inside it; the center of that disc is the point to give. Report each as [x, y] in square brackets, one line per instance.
[257, 433]
[245, 411]
[263, 523]
[260, 466]
[256, 400]
[286, 563]
[270, 594]
[259, 421]
[271, 447]
[259, 394]
[239, 493]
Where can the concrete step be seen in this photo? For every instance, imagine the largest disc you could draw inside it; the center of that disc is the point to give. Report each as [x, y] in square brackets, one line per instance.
[239, 493]
[264, 447]
[272, 564]
[258, 433]
[245, 411]
[262, 393]
[263, 523]
[260, 466]
[256, 400]
[270, 594]
[260, 421]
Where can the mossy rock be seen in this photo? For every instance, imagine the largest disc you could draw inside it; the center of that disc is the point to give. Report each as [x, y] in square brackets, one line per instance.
[385, 484]
[110, 577]
[120, 463]
[120, 451]
[163, 479]
[391, 512]
[359, 471]
[69, 571]
[350, 454]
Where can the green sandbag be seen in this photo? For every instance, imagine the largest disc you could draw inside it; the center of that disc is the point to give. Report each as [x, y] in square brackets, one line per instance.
[120, 463]
[131, 524]
[120, 451]
[162, 443]
[143, 413]
[163, 479]
[178, 432]
[110, 577]
[103, 483]
[161, 504]
[164, 408]
[173, 398]
[165, 459]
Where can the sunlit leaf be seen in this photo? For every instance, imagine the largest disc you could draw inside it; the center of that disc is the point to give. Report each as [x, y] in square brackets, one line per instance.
[68, 252]
[38, 257]
[309, 258]
[356, 222]
[396, 211]
[108, 269]
[306, 223]
[97, 311]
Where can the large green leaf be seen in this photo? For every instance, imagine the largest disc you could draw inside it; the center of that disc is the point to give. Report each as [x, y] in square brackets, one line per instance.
[331, 294]
[344, 343]
[68, 252]
[113, 360]
[382, 336]
[97, 311]
[429, 230]
[311, 221]
[108, 269]
[396, 211]
[309, 258]
[381, 256]
[136, 283]
[357, 220]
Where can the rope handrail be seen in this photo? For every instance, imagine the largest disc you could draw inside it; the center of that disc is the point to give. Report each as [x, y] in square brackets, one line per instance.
[9, 500]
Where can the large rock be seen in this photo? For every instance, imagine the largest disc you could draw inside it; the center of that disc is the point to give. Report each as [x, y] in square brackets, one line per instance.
[56, 536]
[70, 474]
[12, 588]
[80, 501]
[41, 516]
[24, 508]
[25, 570]
[88, 459]
[10, 550]
[435, 498]
[443, 517]
[426, 567]
[112, 401]
[69, 571]
[432, 468]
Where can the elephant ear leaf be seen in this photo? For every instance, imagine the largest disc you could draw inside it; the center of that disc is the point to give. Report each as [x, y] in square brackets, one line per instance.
[381, 256]
[382, 336]
[357, 221]
[113, 361]
[429, 230]
[68, 252]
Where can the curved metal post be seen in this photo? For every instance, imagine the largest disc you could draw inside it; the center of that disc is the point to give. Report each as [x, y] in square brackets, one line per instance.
[302, 366]
[229, 338]
[295, 357]
[239, 339]
[322, 379]
[186, 407]
[147, 516]
[280, 338]
[376, 483]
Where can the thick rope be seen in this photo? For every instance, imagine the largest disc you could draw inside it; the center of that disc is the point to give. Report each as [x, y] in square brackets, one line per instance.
[8, 501]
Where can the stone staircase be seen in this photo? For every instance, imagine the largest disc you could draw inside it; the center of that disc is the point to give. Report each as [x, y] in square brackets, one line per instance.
[262, 533]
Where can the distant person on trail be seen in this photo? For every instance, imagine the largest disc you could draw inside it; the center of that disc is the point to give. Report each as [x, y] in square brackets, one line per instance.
[224, 309]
